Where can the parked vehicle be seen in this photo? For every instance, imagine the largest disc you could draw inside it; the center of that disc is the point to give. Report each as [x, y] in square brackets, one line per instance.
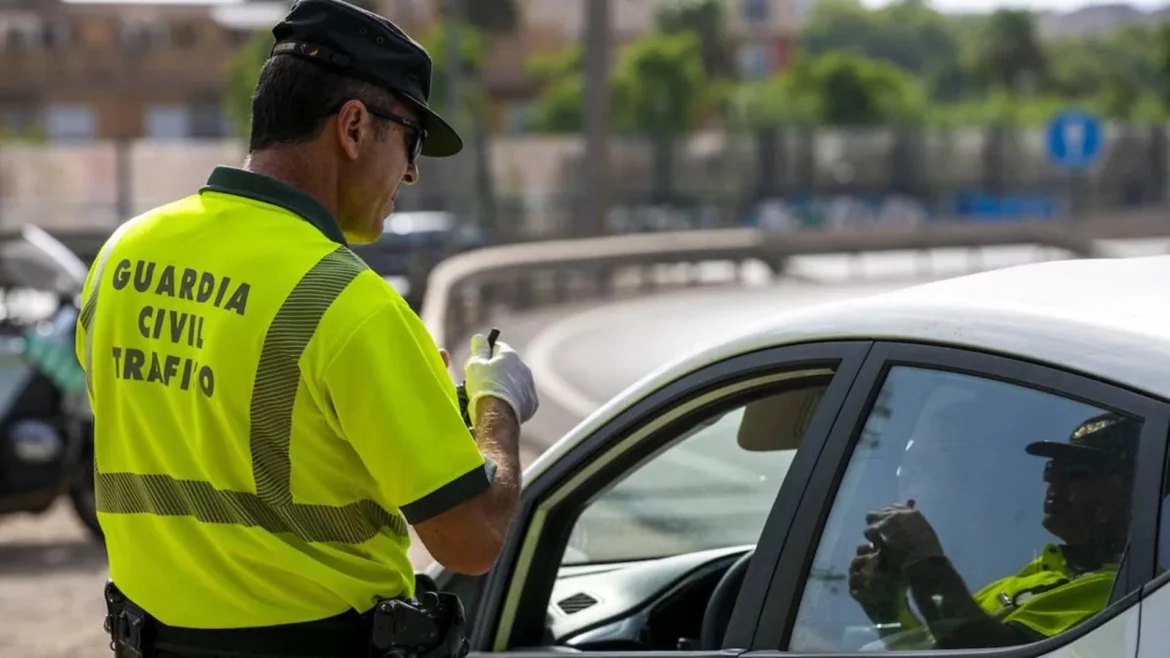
[412, 242]
[46, 429]
[1014, 422]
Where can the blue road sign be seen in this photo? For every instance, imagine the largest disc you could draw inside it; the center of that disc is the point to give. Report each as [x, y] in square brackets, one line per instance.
[1074, 139]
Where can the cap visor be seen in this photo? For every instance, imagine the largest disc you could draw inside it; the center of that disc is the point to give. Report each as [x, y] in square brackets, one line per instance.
[442, 140]
[1055, 450]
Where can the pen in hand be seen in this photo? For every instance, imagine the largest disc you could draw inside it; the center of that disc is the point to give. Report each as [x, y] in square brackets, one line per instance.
[491, 339]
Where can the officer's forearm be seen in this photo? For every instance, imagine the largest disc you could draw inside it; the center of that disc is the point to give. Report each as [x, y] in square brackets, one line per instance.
[954, 618]
[498, 437]
[468, 537]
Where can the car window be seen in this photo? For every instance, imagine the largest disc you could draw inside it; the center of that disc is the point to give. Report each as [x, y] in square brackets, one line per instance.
[973, 513]
[712, 486]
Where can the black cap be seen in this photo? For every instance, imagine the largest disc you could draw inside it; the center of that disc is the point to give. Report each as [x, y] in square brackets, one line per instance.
[1109, 440]
[361, 44]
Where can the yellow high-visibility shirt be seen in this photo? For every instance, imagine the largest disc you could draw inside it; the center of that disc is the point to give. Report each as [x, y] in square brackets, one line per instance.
[269, 413]
[1046, 597]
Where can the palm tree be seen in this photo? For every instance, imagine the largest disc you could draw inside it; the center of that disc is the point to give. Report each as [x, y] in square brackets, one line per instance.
[1010, 55]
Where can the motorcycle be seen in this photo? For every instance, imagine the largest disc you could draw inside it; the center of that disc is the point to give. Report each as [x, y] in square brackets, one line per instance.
[46, 425]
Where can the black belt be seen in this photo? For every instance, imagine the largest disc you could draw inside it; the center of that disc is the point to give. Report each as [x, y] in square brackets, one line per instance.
[311, 640]
[433, 628]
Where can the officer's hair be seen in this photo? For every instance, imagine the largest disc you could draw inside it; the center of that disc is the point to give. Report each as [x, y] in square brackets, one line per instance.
[294, 99]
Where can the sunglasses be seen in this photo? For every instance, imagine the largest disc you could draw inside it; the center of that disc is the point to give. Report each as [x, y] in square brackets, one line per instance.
[415, 133]
[1073, 470]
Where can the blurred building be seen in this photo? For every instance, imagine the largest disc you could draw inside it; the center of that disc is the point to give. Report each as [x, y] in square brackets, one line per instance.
[767, 32]
[96, 70]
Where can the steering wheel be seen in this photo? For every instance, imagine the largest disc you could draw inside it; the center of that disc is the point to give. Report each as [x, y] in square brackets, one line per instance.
[722, 602]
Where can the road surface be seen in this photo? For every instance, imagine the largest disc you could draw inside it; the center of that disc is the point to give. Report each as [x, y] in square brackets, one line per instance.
[51, 576]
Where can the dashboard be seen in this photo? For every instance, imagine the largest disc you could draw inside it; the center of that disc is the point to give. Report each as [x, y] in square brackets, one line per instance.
[640, 606]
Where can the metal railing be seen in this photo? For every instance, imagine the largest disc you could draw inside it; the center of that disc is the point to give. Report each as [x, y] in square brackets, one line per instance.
[463, 291]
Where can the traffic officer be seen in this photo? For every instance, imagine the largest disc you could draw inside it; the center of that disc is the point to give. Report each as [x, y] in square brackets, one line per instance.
[270, 414]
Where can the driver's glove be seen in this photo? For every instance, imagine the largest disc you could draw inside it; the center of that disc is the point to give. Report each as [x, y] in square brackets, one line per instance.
[902, 535]
[502, 375]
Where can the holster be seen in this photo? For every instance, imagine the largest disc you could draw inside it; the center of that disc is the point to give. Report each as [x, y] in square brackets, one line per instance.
[128, 625]
[433, 627]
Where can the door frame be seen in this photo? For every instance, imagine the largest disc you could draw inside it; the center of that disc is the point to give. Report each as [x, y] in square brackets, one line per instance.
[516, 594]
[786, 588]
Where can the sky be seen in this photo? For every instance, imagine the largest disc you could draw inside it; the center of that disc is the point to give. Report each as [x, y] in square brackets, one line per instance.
[942, 5]
[1034, 5]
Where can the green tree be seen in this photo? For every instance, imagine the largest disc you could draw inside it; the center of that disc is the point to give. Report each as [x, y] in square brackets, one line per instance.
[908, 34]
[707, 20]
[1079, 67]
[1009, 51]
[1161, 63]
[849, 90]
[491, 16]
[998, 107]
[473, 46]
[773, 103]
[659, 85]
[659, 90]
[243, 74]
[1119, 98]
[559, 107]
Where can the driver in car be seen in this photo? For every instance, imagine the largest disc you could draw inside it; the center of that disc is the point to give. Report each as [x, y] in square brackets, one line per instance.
[1087, 506]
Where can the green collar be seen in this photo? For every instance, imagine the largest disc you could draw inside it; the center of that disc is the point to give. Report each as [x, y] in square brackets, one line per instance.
[240, 182]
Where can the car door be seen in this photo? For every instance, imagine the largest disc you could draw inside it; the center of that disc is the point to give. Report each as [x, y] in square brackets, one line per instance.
[1155, 633]
[1005, 508]
[619, 544]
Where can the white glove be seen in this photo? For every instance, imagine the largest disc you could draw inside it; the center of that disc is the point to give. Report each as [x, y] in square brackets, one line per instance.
[500, 375]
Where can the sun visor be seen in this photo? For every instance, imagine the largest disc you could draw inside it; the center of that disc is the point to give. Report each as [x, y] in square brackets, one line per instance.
[779, 422]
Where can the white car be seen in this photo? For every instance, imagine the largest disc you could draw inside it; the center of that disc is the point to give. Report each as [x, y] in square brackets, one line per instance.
[1019, 417]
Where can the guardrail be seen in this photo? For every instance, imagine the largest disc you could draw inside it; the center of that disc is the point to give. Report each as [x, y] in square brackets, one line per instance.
[463, 290]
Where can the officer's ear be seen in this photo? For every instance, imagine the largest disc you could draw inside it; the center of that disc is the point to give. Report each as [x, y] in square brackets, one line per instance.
[352, 122]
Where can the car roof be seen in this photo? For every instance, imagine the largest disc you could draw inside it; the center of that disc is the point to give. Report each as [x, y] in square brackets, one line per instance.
[1105, 317]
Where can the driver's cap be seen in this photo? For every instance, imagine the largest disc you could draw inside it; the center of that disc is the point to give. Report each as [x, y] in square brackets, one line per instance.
[1110, 439]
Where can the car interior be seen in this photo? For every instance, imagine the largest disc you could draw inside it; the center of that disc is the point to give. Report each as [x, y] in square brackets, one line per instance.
[674, 602]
